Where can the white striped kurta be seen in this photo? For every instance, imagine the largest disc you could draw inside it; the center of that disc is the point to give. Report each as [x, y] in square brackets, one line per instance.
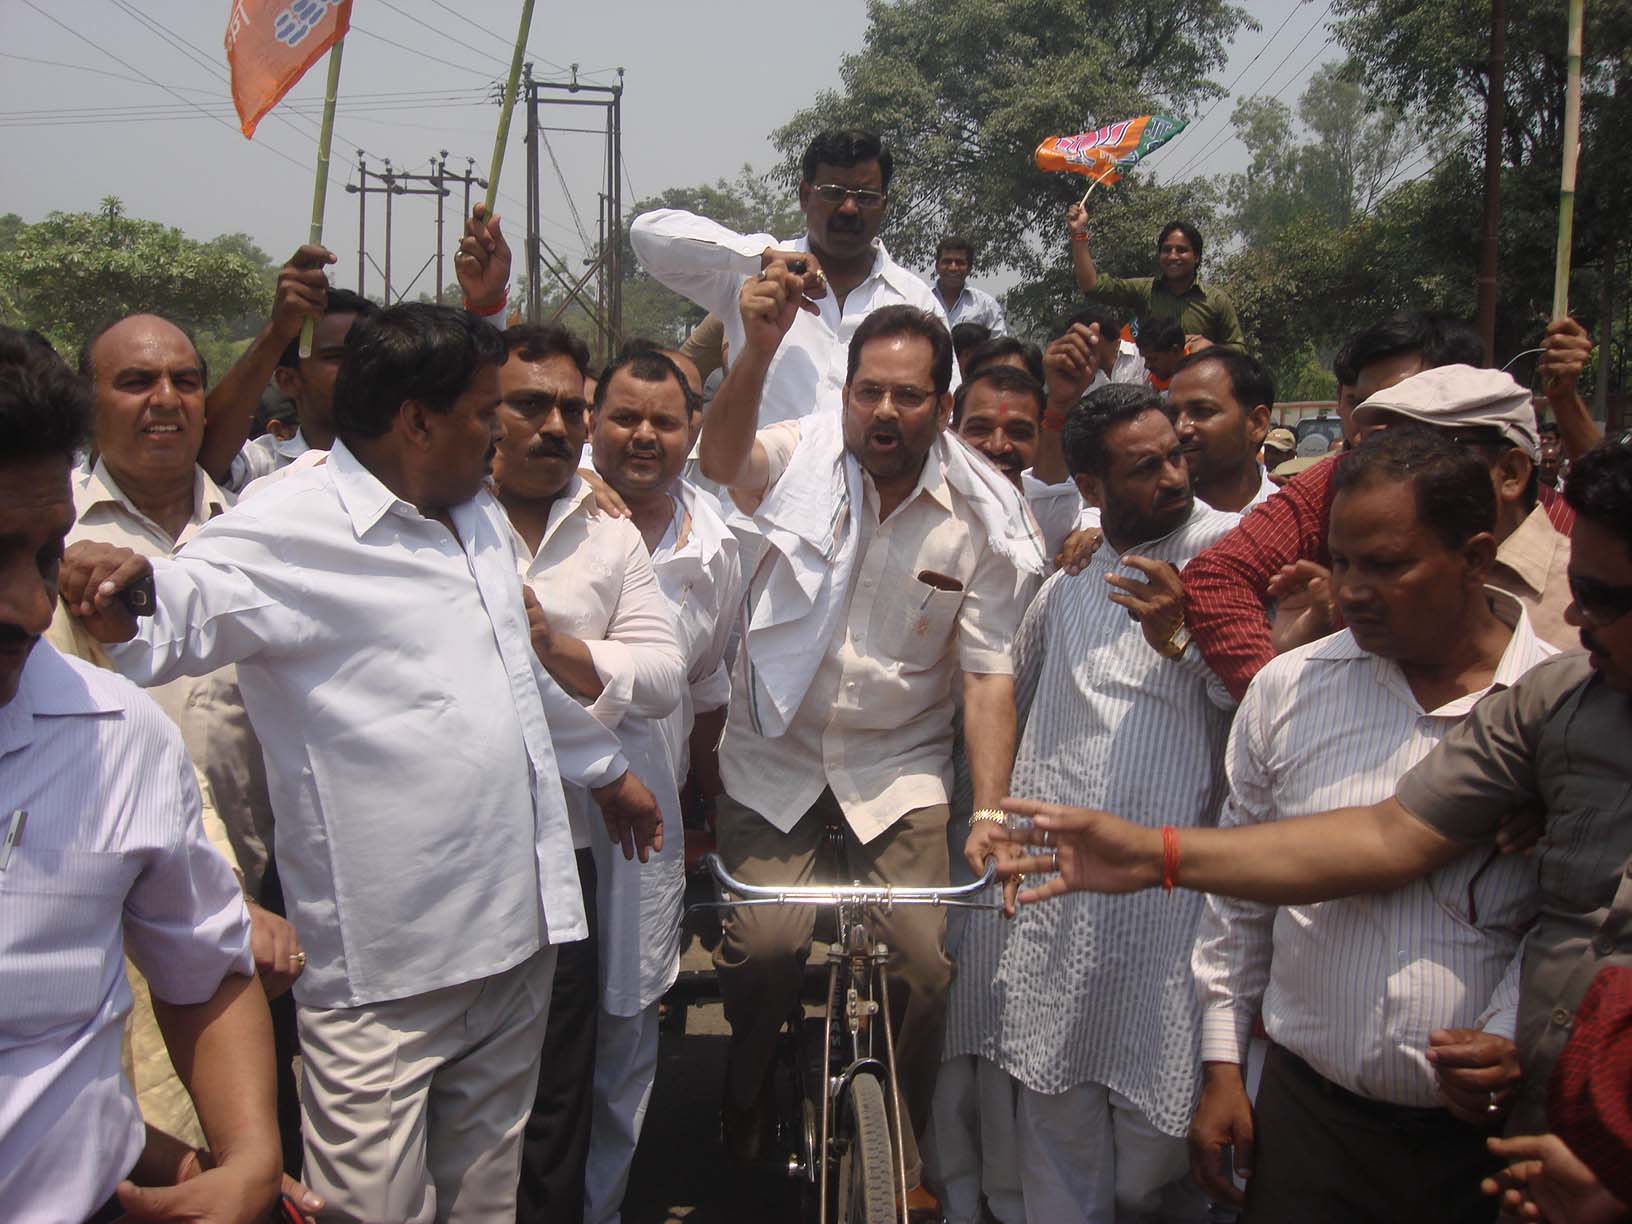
[1093, 989]
[1354, 986]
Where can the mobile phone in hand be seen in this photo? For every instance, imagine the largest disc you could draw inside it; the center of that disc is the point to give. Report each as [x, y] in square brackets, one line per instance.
[139, 597]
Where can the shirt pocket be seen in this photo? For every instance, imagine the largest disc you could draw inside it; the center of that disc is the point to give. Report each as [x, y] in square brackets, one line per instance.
[918, 631]
[61, 941]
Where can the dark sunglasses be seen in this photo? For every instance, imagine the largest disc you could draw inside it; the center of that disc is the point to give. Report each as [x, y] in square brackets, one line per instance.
[833, 193]
[1602, 603]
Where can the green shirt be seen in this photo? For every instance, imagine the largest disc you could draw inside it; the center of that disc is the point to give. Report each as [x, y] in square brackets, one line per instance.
[1201, 310]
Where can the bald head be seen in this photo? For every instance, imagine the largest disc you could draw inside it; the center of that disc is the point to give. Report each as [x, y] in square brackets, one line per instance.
[148, 381]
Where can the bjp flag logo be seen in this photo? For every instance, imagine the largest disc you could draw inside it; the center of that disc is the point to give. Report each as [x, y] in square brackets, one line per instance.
[270, 45]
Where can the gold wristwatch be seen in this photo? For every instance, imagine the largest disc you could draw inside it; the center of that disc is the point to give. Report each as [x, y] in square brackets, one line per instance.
[1177, 643]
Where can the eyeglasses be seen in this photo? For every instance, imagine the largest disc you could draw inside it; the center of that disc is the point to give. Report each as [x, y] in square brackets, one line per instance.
[1601, 603]
[872, 394]
[833, 193]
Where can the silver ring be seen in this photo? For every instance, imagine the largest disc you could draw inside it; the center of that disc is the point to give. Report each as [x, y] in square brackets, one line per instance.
[1048, 838]
[298, 959]
[1054, 861]
[1493, 1108]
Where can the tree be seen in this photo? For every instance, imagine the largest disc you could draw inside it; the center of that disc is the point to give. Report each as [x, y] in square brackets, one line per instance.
[72, 271]
[964, 90]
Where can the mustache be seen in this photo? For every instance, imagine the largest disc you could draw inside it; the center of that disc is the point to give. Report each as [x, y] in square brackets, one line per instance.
[548, 448]
[1009, 462]
[843, 223]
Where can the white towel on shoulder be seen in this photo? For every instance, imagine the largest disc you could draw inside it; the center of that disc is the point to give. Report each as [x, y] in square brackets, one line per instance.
[810, 521]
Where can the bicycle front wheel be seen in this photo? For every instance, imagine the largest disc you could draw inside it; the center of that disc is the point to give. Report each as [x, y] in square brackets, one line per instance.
[866, 1189]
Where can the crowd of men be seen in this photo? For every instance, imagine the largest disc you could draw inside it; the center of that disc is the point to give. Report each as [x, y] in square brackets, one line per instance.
[436, 665]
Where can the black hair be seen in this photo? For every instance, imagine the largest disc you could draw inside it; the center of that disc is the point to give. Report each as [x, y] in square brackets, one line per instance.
[1454, 496]
[1600, 488]
[639, 344]
[647, 363]
[1095, 415]
[1343, 364]
[889, 321]
[45, 409]
[541, 341]
[1250, 383]
[846, 147]
[340, 301]
[1109, 318]
[19, 346]
[416, 351]
[955, 242]
[1191, 235]
[87, 368]
[999, 347]
[1438, 339]
[1002, 378]
[966, 336]
[1158, 335]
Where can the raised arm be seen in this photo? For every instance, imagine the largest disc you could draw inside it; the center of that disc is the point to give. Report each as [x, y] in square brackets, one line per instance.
[229, 409]
[1069, 367]
[1082, 258]
[1565, 350]
[727, 450]
[699, 259]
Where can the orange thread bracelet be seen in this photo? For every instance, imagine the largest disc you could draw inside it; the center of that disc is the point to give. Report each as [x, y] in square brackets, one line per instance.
[1170, 858]
[1079, 237]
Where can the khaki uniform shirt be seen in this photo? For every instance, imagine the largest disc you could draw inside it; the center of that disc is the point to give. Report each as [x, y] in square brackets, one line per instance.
[1555, 743]
[1202, 310]
[1533, 565]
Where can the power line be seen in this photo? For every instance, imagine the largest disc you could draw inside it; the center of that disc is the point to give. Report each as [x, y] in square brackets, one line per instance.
[442, 34]
[160, 84]
[103, 72]
[484, 73]
[1290, 81]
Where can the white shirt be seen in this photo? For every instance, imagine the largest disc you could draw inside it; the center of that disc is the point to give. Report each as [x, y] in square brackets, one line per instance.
[1354, 986]
[411, 736]
[594, 581]
[112, 860]
[1088, 988]
[974, 306]
[208, 709]
[875, 724]
[262, 456]
[708, 263]
[1128, 368]
[1057, 508]
[700, 574]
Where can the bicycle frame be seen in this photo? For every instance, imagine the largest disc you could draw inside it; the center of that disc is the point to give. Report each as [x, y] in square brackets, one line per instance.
[860, 962]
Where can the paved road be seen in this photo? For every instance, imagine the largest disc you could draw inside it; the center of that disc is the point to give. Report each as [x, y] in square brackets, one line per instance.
[681, 1173]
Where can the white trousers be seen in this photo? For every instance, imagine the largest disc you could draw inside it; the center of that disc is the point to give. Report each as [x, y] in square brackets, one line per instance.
[412, 1109]
[1088, 1156]
[625, 1069]
[970, 1153]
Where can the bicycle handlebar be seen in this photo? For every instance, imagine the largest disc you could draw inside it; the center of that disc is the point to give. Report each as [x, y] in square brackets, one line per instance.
[851, 894]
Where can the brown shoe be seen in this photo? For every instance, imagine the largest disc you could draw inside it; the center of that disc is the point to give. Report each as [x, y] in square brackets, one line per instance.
[923, 1207]
[749, 1134]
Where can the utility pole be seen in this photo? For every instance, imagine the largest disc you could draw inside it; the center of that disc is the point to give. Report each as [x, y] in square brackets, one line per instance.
[407, 183]
[1495, 118]
[605, 266]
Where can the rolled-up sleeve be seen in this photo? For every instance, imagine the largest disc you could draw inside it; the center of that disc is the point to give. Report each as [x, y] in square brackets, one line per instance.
[697, 258]
[639, 660]
[185, 924]
[990, 615]
[586, 753]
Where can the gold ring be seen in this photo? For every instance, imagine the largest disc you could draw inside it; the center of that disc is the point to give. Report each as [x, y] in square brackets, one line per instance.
[298, 959]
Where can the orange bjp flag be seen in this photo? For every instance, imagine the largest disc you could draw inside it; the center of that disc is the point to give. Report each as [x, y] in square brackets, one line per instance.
[270, 45]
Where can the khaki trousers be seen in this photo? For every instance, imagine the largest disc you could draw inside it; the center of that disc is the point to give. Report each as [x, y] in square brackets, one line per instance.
[761, 956]
[413, 1108]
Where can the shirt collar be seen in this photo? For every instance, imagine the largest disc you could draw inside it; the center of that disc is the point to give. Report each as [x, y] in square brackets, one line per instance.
[52, 686]
[1529, 551]
[575, 498]
[365, 498]
[100, 488]
[708, 533]
[1522, 652]
[292, 448]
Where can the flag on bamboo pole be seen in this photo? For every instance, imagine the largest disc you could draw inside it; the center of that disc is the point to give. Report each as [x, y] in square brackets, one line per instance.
[1103, 153]
[270, 45]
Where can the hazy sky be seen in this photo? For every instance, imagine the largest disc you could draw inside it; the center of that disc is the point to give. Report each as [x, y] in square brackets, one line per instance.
[706, 83]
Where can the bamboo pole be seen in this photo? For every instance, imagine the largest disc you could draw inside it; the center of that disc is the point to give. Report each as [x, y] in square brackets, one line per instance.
[320, 189]
[1572, 149]
[503, 136]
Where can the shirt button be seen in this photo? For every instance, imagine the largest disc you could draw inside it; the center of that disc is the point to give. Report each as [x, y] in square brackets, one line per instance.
[1561, 1016]
[1603, 945]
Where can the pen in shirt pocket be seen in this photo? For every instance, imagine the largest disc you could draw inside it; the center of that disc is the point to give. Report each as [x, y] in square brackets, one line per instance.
[14, 834]
[936, 581]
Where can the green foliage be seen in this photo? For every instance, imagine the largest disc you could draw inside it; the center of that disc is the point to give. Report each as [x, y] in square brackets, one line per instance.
[964, 90]
[72, 271]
